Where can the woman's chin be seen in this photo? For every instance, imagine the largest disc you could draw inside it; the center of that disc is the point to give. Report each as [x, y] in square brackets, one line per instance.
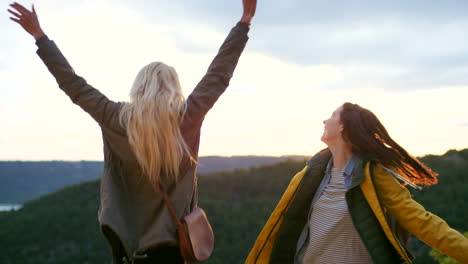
[323, 138]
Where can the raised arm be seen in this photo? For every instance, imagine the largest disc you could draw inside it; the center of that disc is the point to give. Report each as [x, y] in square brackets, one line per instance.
[220, 71]
[79, 91]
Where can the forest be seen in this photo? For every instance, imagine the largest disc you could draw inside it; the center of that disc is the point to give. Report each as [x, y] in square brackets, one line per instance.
[62, 227]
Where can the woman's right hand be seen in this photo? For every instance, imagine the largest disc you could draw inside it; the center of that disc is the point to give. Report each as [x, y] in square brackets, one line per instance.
[249, 10]
[27, 19]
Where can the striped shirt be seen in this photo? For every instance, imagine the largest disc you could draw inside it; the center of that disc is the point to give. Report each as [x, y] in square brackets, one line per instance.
[332, 235]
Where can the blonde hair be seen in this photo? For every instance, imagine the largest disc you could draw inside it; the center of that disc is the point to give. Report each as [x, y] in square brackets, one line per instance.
[152, 121]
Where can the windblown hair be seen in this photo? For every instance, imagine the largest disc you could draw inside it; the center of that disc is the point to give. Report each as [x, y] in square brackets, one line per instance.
[152, 121]
[370, 140]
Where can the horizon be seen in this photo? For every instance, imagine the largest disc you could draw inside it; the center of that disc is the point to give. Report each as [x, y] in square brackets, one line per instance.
[221, 156]
[408, 64]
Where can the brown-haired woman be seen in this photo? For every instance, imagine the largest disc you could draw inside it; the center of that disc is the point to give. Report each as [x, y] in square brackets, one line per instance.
[348, 205]
[152, 139]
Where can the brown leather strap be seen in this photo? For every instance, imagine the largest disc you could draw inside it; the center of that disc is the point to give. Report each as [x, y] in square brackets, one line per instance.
[159, 189]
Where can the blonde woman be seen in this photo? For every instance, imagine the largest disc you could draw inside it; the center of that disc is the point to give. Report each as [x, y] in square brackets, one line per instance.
[153, 138]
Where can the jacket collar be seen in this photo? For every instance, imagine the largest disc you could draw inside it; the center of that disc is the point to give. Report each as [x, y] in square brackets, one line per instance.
[358, 171]
[354, 167]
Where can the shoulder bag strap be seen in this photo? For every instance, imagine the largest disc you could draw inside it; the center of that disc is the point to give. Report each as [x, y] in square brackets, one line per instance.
[168, 203]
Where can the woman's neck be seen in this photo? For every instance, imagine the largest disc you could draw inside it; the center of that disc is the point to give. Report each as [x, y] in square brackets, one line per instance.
[341, 153]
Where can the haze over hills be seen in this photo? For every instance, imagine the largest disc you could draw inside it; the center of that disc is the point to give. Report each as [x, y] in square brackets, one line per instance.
[21, 181]
[62, 227]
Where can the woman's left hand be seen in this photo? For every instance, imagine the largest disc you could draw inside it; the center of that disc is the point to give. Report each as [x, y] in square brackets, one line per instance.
[249, 10]
[27, 19]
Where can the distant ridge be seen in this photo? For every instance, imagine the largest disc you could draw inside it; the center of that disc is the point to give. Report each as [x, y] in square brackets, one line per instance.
[21, 181]
[210, 164]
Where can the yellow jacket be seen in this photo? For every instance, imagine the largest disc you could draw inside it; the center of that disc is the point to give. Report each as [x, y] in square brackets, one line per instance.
[383, 194]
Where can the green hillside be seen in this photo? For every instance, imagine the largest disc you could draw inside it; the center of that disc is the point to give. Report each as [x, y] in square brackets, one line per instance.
[58, 228]
[448, 198]
[62, 227]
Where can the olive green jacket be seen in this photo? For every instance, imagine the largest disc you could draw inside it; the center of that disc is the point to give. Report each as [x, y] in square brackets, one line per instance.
[131, 214]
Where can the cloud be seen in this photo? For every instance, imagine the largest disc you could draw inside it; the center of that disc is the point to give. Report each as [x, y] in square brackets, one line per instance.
[426, 39]
[462, 124]
[280, 12]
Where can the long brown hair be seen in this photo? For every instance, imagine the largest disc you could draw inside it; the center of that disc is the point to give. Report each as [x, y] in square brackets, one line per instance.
[370, 140]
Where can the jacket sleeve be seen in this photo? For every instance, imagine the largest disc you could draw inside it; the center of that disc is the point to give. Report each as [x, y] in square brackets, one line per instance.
[261, 250]
[412, 216]
[79, 91]
[219, 73]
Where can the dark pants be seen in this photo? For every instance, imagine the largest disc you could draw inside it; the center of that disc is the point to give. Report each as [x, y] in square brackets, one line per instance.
[162, 254]
[158, 255]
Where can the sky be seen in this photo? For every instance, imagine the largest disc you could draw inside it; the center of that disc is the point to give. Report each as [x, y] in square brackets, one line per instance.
[406, 61]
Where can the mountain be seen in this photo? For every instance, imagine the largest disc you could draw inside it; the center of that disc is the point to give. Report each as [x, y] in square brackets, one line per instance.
[21, 181]
[62, 227]
[210, 164]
